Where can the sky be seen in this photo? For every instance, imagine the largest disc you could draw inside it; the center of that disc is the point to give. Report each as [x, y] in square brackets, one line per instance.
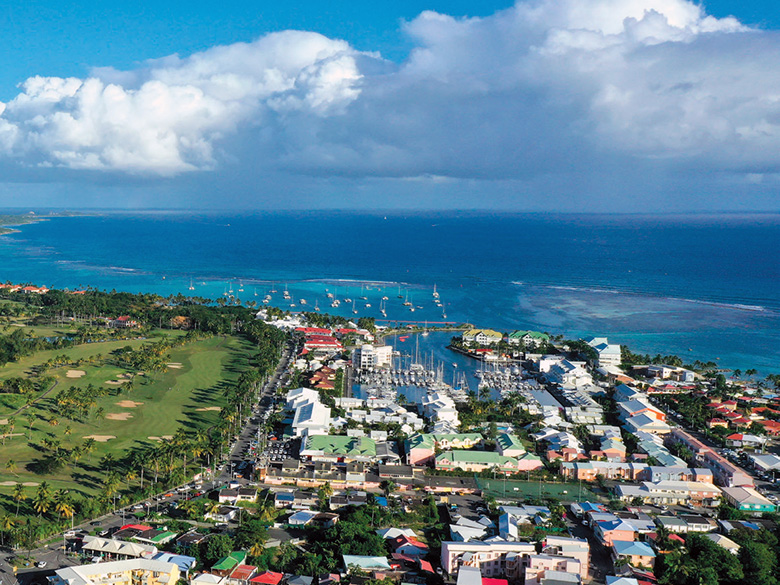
[561, 105]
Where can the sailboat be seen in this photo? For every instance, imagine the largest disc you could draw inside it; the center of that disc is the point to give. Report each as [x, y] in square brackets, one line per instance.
[316, 306]
[354, 310]
[362, 294]
[400, 296]
[240, 286]
[406, 302]
[435, 292]
[425, 330]
[273, 287]
[224, 294]
[286, 293]
[192, 286]
[255, 291]
[382, 308]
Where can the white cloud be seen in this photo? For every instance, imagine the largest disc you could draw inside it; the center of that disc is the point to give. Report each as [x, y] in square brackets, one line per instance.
[547, 86]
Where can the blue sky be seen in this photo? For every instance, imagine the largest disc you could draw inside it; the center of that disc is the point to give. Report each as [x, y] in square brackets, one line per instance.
[622, 105]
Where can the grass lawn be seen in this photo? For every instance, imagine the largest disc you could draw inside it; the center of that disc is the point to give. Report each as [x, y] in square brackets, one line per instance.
[520, 490]
[168, 401]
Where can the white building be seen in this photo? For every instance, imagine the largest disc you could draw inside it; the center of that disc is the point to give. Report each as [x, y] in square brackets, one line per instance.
[372, 356]
[310, 416]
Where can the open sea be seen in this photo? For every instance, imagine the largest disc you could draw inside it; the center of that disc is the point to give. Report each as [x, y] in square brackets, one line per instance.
[700, 286]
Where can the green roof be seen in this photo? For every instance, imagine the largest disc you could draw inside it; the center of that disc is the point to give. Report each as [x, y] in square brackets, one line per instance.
[482, 457]
[533, 334]
[163, 536]
[507, 441]
[229, 562]
[429, 440]
[341, 445]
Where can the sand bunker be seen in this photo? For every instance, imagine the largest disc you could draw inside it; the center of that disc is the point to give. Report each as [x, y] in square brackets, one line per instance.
[100, 438]
[75, 373]
[128, 403]
[209, 409]
[115, 382]
[175, 365]
[163, 438]
[12, 435]
[125, 376]
[25, 484]
[3, 421]
[119, 416]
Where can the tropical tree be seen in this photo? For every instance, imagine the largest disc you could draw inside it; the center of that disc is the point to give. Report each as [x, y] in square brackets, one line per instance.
[18, 495]
[42, 500]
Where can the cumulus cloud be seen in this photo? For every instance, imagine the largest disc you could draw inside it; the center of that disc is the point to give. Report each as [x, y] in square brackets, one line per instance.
[542, 87]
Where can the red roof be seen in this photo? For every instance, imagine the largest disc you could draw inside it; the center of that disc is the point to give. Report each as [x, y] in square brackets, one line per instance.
[677, 537]
[314, 330]
[735, 437]
[136, 527]
[428, 568]
[268, 578]
[399, 541]
[486, 581]
[243, 572]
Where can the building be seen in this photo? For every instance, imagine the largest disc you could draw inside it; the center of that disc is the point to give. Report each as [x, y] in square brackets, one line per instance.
[530, 339]
[475, 461]
[421, 449]
[609, 355]
[493, 559]
[338, 448]
[748, 499]
[638, 554]
[369, 356]
[608, 531]
[128, 572]
[107, 548]
[670, 493]
[509, 445]
[538, 567]
[483, 337]
[725, 473]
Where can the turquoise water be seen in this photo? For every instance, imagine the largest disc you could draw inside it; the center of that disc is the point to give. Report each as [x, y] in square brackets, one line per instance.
[703, 287]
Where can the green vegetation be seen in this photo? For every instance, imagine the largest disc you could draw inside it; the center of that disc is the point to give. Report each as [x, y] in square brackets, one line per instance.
[93, 417]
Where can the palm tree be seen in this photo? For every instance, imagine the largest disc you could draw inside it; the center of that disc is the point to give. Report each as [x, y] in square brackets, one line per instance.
[63, 505]
[42, 499]
[18, 495]
[7, 523]
[212, 507]
[10, 465]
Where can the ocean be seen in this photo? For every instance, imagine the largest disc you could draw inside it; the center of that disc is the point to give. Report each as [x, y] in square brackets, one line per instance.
[703, 287]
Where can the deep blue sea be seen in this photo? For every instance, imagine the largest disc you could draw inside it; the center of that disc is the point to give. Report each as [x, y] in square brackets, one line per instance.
[703, 287]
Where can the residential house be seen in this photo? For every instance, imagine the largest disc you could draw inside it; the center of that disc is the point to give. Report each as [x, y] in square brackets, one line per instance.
[609, 531]
[473, 461]
[494, 559]
[748, 499]
[638, 554]
[421, 449]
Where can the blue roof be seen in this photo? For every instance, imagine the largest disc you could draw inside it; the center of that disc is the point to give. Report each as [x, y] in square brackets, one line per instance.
[184, 563]
[626, 547]
[382, 501]
[591, 507]
[285, 497]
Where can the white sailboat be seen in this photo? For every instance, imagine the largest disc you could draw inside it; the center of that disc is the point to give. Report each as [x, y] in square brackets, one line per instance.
[354, 310]
[435, 292]
[316, 306]
[192, 286]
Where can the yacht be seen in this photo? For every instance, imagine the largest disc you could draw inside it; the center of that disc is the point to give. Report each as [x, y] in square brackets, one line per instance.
[192, 286]
[435, 292]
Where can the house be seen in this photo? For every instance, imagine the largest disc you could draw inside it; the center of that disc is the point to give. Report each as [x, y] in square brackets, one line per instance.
[223, 514]
[530, 339]
[638, 554]
[611, 530]
[421, 448]
[724, 542]
[748, 499]
[509, 445]
[475, 461]
[267, 578]
[124, 322]
[185, 563]
[241, 575]
[408, 545]
[393, 533]
[744, 441]
[670, 493]
[482, 337]
[125, 572]
[515, 516]
[575, 548]
[608, 355]
[232, 496]
[224, 566]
